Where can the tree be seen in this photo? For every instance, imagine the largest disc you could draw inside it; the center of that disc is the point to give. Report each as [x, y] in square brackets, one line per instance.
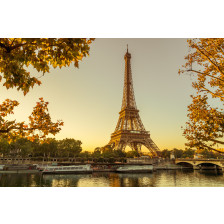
[39, 126]
[132, 154]
[205, 126]
[97, 152]
[4, 147]
[178, 153]
[16, 55]
[208, 154]
[108, 152]
[165, 153]
[22, 147]
[70, 147]
[188, 153]
[85, 155]
[119, 153]
[48, 148]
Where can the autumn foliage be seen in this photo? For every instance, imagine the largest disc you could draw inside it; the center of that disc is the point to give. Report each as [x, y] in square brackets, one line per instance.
[205, 127]
[39, 126]
[16, 55]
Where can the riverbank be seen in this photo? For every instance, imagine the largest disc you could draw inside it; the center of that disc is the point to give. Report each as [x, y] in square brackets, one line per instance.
[159, 164]
[170, 167]
[33, 168]
[19, 171]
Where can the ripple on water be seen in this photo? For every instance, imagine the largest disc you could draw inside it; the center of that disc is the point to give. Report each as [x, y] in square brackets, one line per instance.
[172, 178]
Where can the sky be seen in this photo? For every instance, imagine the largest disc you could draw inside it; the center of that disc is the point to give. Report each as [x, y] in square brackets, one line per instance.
[89, 99]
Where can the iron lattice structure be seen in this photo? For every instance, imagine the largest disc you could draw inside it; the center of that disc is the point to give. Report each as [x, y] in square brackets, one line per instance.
[130, 130]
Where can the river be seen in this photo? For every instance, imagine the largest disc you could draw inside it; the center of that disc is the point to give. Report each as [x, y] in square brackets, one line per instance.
[166, 178]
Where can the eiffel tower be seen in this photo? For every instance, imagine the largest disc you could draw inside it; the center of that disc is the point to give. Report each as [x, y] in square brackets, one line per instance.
[130, 130]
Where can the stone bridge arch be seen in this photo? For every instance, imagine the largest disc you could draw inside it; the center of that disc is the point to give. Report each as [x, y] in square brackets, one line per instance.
[196, 162]
[210, 162]
[187, 164]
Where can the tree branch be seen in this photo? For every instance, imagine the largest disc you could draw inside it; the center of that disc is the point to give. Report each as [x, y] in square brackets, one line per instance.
[210, 55]
[217, 141]
[213, 94]
[209, 59]
[192, 70]
[210, 148]
[3, 45]
[4, 131]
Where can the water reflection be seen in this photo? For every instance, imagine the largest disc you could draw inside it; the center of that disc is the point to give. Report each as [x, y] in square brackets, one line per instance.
[172, 178]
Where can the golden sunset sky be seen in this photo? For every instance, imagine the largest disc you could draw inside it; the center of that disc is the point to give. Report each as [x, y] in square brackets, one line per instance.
[88, 99]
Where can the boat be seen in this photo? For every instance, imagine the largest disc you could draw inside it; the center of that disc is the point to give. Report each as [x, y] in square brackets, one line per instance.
[135, 169]
[15, 168]
[67, 169]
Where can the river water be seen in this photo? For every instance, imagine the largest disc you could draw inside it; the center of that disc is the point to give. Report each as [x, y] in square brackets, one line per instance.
[166, 178]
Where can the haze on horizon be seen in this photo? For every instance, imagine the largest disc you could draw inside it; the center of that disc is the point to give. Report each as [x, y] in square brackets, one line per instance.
[88, 99]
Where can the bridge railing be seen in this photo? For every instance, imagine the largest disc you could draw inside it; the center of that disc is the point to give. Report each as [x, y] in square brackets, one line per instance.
[199, 159]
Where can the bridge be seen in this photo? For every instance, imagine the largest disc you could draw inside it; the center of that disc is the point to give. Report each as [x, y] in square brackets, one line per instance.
[201, 163]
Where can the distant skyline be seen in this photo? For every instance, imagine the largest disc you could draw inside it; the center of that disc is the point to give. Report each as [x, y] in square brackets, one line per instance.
[88, 99]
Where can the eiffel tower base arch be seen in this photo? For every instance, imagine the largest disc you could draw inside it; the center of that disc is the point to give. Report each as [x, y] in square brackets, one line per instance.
[134, 142]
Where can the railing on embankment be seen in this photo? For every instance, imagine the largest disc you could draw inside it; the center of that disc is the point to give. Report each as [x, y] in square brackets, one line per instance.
[78, 160]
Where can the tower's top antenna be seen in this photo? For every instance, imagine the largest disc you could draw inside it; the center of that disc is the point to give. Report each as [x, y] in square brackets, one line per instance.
[127, 55]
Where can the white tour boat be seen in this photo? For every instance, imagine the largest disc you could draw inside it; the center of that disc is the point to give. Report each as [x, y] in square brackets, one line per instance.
[135, 169]
[67, 169]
